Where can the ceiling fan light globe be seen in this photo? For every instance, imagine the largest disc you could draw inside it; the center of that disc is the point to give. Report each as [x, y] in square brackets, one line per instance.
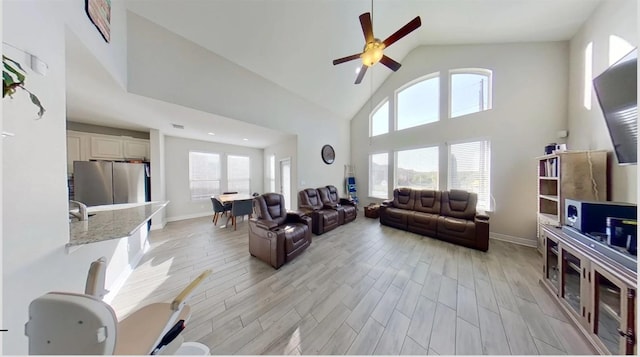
[373, 52]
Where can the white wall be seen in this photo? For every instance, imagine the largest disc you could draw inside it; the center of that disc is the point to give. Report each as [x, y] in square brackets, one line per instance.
[208, 82]
[177, 182]
[158, 187]
[35, 225]
[587, 128]
[283, 150]
[529, 106]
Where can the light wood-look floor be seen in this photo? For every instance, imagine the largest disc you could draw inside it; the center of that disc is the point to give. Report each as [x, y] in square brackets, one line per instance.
[360, 289]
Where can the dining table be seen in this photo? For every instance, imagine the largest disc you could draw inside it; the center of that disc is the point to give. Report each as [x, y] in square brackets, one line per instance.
[229, 198]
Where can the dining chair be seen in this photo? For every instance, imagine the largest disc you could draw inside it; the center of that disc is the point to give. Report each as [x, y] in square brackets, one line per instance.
[241, 208]
[230, 193]
[218, 209]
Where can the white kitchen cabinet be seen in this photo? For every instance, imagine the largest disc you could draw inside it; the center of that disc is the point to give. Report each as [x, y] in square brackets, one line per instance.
[106, 147]
[135, 148]
[77, 148]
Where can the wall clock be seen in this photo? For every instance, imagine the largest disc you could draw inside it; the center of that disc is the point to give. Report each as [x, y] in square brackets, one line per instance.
[328, 154]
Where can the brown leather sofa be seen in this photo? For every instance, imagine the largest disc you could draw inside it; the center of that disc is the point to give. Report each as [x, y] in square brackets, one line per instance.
[347, 210]
[447, 215]
[275, 235]
[323, 219]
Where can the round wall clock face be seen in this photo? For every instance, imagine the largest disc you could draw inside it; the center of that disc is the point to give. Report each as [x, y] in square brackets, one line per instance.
[328, 155]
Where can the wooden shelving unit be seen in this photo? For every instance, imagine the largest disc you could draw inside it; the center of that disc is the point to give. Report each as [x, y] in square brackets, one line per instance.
[578, 175]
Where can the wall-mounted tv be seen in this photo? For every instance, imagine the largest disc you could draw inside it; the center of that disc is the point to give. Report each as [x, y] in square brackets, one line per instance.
[617, 92]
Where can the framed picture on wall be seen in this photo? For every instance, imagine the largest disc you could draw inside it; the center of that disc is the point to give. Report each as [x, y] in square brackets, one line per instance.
[99, 12]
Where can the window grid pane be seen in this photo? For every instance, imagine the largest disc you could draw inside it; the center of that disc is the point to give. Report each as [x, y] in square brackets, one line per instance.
[417, 168]
[470, 168]
[378, 175]
[419, 104]
[469, 93]
[204, 175]
[238, 168]
[380, 120]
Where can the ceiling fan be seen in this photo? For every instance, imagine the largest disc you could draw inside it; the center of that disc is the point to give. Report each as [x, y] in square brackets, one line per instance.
[373, 47]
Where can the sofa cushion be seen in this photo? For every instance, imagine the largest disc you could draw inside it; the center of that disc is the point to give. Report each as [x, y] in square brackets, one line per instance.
[459, 204]
[455, 227]
[403, 197]
[423, 223]
[427, 201]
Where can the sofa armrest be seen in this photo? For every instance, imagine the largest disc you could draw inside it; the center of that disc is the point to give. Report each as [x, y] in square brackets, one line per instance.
[387, 203]
[482, 216]
[297, 216]
[482, 232]
[346, 201]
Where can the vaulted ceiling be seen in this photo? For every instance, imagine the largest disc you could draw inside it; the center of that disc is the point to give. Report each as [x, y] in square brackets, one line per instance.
[292, 43]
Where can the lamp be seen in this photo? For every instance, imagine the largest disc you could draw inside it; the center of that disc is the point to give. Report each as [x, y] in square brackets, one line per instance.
[372, 53]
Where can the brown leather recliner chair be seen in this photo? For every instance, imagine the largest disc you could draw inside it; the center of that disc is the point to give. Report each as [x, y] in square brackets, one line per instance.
[323, 219]
[330, 198]
[459, 223]
[396, 213]
[424, 219]
[275, 235]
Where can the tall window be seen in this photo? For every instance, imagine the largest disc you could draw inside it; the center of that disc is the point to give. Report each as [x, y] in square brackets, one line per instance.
[417, 168]
[272, 173]
[470, 92]
[379, 123]
[588, 75]
[204, 175]
[418, 103]
[238, 168]
[378, 175]
[469, 170]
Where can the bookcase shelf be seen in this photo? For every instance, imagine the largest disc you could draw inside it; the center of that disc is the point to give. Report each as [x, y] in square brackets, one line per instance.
[580, 175]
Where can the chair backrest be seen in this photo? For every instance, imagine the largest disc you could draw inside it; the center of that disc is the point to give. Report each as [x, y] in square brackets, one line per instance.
[403, 197]
[255, 194]
[242, 207]
[459, 204]
[229, 193]
[217, 205]
[333, 194]
[310, 198]
[270, 206]
[427, 201]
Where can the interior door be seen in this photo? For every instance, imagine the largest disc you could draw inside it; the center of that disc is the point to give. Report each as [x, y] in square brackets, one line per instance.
[285, 181]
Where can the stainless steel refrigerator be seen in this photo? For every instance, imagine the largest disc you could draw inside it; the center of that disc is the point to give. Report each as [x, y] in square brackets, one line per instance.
[103, 182]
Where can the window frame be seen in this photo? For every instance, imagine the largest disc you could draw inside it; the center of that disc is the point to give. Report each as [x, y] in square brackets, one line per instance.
[219, 180]
[411, 84]
[477, 71]
[448, 145]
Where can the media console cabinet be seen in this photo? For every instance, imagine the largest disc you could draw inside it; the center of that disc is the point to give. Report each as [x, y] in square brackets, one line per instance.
[595, 286]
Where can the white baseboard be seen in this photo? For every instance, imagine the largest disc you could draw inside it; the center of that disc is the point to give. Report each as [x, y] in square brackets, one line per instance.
[513, 239]
[122, 278]
[189, 216]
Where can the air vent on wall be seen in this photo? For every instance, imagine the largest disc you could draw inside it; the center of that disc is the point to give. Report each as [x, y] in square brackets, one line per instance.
[178, 126]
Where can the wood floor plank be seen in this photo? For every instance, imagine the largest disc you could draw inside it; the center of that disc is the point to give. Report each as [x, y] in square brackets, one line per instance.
[419, 273]
[386, 305]
[432, 283]
[520, 341]
[468, 340]
[340, 341]
[264, 341]
[363, 310]
[467, 307]
[275, 313]
[422, 322]
[486, 297]
[324, 307]
[504, 296]
[448, 292]
[412, 348]
[287, 343]
[572, 341]
[367, 339]
[537, 322]
[547, 350]
[325, 329]
[443, 336]
[494, 339]
[409, 298]
[238, 340]
[394, 334]
[358, 291]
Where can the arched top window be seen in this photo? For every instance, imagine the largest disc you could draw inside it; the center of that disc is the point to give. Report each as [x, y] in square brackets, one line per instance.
[379, 119]
[469, 91]
[418, 102]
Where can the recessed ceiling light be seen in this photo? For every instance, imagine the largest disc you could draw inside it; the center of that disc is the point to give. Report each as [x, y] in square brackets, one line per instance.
[245, 139]
[211, 133]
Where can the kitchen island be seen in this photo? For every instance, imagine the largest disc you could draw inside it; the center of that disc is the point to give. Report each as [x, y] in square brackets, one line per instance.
[112, 222]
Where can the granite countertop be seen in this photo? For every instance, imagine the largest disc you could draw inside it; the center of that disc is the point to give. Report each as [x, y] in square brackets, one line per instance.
[112, 222]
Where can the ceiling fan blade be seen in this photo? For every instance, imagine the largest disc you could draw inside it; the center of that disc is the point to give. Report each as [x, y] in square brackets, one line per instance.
[393, 65]
[367, 28]
[404, 30]
[346, 59]
[363, 70]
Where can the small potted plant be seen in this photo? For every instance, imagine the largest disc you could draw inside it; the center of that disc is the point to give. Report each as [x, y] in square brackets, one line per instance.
[13, 78]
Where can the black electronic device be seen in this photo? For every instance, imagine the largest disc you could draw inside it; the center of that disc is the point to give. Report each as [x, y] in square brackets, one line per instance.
[620, 231]
[617, 92]
[590, 217]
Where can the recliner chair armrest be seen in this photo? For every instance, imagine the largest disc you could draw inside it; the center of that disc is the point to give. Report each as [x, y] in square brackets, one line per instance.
[346, 201]
[388, 203]
[264, 224]
[297, 216]
[482, 217]
[330, 206]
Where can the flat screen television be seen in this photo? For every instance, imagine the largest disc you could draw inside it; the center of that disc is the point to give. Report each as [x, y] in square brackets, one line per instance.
[617, 92]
